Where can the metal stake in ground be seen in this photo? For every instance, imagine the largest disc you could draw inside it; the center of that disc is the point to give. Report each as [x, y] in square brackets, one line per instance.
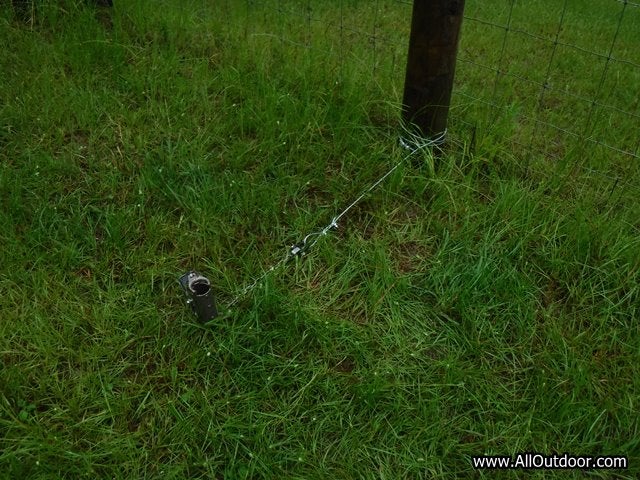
[197, 290]
[431, 63]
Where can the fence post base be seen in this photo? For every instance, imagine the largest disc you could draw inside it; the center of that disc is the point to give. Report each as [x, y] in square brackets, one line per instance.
[431, 62]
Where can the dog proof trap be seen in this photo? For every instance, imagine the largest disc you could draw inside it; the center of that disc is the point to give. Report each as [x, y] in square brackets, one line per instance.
[197, 289]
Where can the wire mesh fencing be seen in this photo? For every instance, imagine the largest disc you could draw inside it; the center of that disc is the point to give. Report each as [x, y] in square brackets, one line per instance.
[551, 80]
[564, 73]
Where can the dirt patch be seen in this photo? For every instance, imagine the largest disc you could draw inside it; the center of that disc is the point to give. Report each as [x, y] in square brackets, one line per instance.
[346, 365]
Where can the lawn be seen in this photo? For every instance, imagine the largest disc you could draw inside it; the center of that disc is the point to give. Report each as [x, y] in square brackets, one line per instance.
[483, 299]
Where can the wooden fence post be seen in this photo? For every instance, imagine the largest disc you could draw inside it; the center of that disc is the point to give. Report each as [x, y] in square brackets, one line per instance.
[435, 30]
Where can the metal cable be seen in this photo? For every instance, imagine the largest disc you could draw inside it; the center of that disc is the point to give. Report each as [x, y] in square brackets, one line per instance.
[410, 142]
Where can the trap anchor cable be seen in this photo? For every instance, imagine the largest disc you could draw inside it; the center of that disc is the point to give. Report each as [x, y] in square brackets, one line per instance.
[197, 288]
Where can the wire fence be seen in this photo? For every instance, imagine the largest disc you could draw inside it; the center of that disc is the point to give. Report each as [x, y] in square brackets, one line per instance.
[552, 80]
[571, 73]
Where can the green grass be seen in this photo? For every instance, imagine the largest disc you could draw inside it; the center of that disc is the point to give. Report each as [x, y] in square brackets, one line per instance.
[483, 303]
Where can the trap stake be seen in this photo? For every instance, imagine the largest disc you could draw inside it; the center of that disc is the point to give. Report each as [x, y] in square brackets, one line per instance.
[197, 289]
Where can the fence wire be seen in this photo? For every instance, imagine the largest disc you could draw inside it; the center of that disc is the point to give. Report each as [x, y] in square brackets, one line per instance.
[555, 76]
